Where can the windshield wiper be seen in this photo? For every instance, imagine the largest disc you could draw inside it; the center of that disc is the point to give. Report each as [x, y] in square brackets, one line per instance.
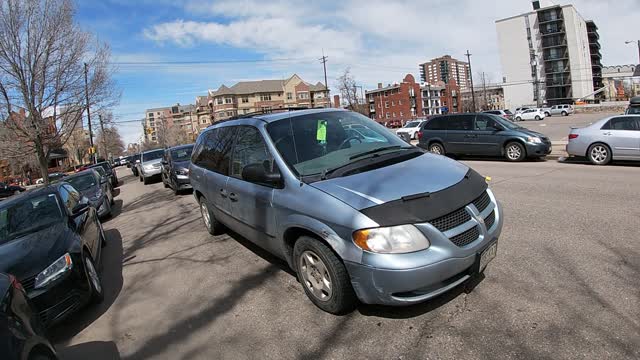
[384, 148]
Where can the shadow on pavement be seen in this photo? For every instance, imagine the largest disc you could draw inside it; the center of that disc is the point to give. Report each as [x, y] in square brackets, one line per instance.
[116, 210]
[274, 260]
[584, 161]
[95, 350]
[111, 275]
[395, 312]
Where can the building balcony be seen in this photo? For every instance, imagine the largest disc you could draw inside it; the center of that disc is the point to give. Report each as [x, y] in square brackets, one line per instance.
[593, 34]
[549, 19]
[552, 32]
[557, 84]
[553, 70]
[556, 57]
[594, 45]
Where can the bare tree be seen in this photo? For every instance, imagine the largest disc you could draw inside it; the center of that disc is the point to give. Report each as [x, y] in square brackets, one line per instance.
[347, 88]
[109, 142]
[44, 59]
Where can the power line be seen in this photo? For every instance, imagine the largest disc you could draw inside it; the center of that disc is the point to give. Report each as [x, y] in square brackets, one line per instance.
[205, 62]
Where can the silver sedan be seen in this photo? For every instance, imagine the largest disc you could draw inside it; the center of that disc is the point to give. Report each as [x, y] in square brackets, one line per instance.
[612, 138]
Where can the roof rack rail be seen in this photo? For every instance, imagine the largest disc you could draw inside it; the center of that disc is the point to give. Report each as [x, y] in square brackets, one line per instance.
[267, 111]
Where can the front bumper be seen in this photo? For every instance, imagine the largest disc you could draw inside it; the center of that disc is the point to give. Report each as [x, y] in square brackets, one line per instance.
[151, 172]
[183, 182]
[63, 297]
[405, 279]
[538, 150]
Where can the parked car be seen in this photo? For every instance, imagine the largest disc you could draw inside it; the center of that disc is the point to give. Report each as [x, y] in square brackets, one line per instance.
[51, 240]
[482, 134]
[564, 110]
[10, 190]
[612, 138]
[521, 109]
[634, 106]
[175, 168]
[57, 176]
[113, 177]
[22, 336]
[530, 114]
[96, 188]
[382, 222]
[393, 124]
[150, 165]
[506, 113]
[135, 163]
[364, 135]
[411, 128]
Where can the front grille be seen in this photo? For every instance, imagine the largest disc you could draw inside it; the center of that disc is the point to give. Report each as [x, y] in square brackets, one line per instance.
[451, 220]
[466, 237]
[489, 220]
[69, 304]
[482, 201]
[29, 283]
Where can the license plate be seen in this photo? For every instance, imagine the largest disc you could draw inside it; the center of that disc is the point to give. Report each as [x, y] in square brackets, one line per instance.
[487, 255]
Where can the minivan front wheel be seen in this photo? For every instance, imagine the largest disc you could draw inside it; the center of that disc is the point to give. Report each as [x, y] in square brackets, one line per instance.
[436, 148]
[515, 151]
[323, 276]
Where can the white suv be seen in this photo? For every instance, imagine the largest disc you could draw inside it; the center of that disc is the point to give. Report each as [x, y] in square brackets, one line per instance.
[564, 110]
[411, 128]
[529, 114]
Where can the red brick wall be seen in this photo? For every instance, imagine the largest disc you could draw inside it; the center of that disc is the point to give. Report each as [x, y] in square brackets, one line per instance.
[399, 102]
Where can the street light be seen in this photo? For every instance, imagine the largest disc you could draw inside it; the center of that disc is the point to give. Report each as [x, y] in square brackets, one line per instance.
[631, 42]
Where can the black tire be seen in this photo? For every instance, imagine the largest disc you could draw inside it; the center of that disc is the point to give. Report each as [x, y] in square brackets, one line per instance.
[41, 356]
[213, 226]
[342, 298]
[436, 148]
[514, 152]
[564, 113]
[145, 180]
[518, 118]
[599, 154]
[97, 290]
[108, 205]
[547, 114]
[164, 183]
[537, 118]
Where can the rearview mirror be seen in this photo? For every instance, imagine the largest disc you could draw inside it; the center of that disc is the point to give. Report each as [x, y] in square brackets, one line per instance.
[257, 173]
[81, 207]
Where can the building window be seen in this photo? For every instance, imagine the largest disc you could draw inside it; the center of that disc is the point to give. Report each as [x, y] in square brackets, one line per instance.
[289, 96]
[245, 111]
[219, 101]
[245, 99]
[266, 108]
[387, 115]
[380, 105]
[227, 100]
[386, 93]
[394, 115]
[380, 116]
[265, 97]
[393, 103]
[386, 104]
[303, 95]
[401, 115]
[399, 102]
[229, 113]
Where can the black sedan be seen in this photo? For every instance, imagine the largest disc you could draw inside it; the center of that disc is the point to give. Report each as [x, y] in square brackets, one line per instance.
[9, 190]
[51, 240]
[113, 177]
[22, 336]
[175, 168]
[96, 188]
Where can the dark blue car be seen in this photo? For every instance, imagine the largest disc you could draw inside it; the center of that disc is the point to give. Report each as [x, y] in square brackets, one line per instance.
[482, 134]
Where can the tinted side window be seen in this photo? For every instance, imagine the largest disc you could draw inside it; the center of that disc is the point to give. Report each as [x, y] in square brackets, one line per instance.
[461, 122]
[438, 123]
[621, 123]
[249, 148]
[485, 123]
[217, 150]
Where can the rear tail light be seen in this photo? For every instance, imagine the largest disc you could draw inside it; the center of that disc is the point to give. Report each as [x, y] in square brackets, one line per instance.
[419, 135]
[573, 136]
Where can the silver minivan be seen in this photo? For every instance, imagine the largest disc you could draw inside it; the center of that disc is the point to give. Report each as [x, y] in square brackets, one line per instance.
[357, 218]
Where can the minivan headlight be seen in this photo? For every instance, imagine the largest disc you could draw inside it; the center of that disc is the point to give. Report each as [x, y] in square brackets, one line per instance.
[54, 271]
[391, 240]
[534, 140]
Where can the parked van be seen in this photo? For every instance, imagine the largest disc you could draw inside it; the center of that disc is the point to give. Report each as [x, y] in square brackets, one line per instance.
[382, 222]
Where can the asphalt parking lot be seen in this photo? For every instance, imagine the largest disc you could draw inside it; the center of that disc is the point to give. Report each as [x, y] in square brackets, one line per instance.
[565, 284]
[557, 127]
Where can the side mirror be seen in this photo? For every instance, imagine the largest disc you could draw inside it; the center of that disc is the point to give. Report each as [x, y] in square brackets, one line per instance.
[257, 173]
[81, 207]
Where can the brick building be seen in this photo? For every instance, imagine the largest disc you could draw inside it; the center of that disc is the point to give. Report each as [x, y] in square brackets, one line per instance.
[396, 102]
[251, 96]
[444, 69]
[160, 120]
[450, 98]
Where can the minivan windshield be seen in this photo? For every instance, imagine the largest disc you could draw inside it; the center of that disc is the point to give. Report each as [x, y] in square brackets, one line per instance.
[182, 154]
[152, 155]
[82, 183]
[319, 143]
[28, 215]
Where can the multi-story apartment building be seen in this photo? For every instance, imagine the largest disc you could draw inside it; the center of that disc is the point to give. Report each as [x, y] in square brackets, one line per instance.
[264, 95]
[177, 118]
[488, 97]
[548, 56]
[596, 59]
[396, 102]
[431, 99]
[203, 115]
[446, 68]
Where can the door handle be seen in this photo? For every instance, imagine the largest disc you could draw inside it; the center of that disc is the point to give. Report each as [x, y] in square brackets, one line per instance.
[608, 133]
[223, 193]
[233, 197]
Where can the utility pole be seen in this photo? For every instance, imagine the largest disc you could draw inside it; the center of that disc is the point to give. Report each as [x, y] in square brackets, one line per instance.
[104, 140]
[484, 90]
[323, 60]
[473, 94]
[86, 93]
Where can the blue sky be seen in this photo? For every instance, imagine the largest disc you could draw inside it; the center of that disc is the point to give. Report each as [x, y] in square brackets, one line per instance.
[379, 40]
